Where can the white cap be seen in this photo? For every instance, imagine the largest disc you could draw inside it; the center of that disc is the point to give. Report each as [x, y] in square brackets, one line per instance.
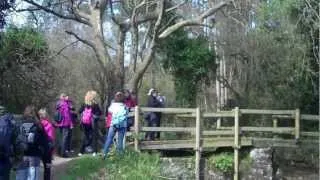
[150, 91]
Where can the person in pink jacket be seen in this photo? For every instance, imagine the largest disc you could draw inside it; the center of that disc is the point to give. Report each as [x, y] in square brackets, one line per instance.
[65, 124]
[49, 130]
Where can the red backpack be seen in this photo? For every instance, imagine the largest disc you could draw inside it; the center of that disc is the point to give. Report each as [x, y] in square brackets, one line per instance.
[87, 116]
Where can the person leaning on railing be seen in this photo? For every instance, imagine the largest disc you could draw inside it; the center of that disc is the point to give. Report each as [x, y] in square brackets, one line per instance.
[153, 118]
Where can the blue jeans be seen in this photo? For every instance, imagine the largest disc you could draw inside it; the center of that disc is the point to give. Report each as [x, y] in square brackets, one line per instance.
[66, 140]
[28, 169]
[109, 138]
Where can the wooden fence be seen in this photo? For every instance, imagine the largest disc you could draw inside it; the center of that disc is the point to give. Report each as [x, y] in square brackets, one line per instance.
[233, 138]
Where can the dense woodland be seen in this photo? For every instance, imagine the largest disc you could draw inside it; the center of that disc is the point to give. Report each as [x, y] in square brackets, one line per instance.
[215, 54]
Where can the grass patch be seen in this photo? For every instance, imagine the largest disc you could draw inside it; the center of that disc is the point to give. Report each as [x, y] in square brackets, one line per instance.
[222, 162]
[130, 165]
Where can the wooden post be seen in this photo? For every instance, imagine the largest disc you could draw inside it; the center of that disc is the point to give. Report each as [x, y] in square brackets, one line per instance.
[219, 123]
[275, 125]
[297, 124]
[198, 148]
[236, 144]
[136, 128]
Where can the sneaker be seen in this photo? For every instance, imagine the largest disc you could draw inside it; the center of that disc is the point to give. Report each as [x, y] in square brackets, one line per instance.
[94, 154]
[80, 154]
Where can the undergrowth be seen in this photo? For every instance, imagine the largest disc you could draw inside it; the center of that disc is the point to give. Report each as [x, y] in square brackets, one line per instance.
[130, 165]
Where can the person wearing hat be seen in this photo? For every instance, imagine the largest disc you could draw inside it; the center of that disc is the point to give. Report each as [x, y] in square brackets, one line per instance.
[153, 118]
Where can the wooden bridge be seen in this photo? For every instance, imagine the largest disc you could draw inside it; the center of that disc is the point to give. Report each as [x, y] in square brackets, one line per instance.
[235, 136]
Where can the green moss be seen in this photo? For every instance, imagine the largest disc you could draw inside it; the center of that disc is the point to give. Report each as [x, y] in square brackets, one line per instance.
[222, 162]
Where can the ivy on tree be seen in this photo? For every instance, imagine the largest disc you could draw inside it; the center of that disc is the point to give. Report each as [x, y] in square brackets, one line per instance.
[190, 61]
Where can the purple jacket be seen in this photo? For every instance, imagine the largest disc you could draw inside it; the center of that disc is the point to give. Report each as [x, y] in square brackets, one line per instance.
[64, 108]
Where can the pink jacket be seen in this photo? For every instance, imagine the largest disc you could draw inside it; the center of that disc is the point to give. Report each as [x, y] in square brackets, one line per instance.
[64, 107]
[49, 129]
[130, 102]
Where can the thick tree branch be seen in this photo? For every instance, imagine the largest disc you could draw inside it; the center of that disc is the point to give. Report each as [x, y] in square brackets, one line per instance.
[150, 50]
[60, 15]
[196, 21]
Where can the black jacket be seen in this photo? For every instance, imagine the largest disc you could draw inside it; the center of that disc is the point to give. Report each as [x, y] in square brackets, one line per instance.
[41, 146]
[153, 102]
[95, 109]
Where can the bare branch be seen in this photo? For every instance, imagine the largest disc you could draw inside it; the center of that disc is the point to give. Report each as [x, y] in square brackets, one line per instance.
[76, 11]
[60, 15]
[176, 6]
[196, 21]
[81, 39]
[62, 49]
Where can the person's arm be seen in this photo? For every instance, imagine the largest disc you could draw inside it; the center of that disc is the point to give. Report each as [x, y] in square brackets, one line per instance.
[81, 108]
[98, 111]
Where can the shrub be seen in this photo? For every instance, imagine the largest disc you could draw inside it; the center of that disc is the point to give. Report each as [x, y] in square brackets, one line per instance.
[222, 162]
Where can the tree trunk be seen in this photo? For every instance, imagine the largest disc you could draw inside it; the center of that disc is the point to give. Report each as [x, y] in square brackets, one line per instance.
[133, 84]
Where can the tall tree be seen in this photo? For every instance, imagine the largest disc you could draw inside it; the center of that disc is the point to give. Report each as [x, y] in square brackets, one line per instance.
[131, 18]
[26, 70]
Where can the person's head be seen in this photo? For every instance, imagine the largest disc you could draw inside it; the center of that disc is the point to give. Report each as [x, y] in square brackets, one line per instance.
[63, 96]
[118, 97]
[152, 92]
[90, 98]
[30, 111]
[133, 95]
[127, 93]
[43, 114]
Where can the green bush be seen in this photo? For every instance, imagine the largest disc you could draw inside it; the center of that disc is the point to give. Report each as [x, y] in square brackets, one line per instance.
[222, 162]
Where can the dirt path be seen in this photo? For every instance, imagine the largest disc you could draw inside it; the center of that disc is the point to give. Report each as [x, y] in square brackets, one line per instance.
[59, 165]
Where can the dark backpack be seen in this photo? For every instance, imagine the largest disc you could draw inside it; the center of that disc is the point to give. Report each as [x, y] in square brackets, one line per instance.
[29, 133]
[6, 135]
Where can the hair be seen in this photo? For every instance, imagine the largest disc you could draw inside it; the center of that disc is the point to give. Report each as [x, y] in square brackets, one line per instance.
[90, 98]
[43, 113]
[30, 111]
[118, 97]
[63, 95]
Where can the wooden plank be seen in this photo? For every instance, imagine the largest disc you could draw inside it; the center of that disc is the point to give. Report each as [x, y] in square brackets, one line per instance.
[266, 111]
[217, 133]
[168, 110]
[283, 116]
[210, 114]
[271, 142]
[219, 114]
[297, 124]
[236, 144]
[314, 134]
[189, 144]
[136, 128]
[168, 129]
[198, 146]
[309, 117]
[225, 128]
[186, 115]
[284, 130]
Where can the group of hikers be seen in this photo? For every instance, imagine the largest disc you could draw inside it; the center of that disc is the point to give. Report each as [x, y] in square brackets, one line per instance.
[26, 142]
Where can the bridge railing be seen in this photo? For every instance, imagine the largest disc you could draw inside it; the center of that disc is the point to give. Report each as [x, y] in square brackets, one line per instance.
[234, 132]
